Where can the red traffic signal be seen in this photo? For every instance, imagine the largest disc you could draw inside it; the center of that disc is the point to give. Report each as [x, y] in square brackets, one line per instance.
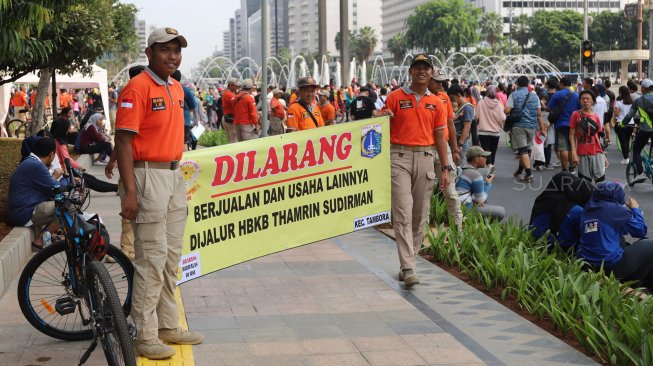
[587, 53]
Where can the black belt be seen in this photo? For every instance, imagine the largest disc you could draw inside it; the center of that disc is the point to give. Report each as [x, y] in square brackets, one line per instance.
[229, 118]
[172, 165]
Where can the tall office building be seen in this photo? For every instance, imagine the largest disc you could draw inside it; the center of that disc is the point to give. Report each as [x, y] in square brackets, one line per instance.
[226, 44]
[142, 32]
[303, 19]
[393, 18]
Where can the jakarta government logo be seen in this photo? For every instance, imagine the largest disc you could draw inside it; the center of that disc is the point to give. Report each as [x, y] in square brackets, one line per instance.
[371, 141]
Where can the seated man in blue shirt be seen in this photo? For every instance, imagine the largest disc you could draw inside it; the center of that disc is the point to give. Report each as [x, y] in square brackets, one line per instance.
[473, 188]
[30, 190]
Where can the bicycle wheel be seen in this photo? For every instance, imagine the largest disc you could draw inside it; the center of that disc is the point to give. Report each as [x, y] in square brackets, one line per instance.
[109, 316]
[17, 128]
[46, 280]
[631, 173]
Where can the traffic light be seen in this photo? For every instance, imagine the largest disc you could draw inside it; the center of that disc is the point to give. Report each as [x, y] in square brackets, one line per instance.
[587, 53]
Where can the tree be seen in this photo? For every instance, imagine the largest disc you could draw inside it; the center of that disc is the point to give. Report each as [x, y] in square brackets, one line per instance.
[126, 47]
[557, 35]
[521, 31]
[613, 31]
[366, 41]
[397, 47]
[442, 25]
[492, 28]
[352, 43]
[21, 24]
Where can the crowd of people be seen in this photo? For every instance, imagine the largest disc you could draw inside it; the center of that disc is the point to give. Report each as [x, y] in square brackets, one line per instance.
[441, 130]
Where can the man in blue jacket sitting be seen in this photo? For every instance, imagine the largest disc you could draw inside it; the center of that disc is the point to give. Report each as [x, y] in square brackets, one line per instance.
[30, 190]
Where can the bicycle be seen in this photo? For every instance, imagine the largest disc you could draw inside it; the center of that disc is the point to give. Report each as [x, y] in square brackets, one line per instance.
[67, 290]
[647, 162]
[22, 128]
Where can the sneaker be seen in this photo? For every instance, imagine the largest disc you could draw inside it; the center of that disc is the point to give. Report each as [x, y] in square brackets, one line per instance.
[153, 349]
[548, 167]
[625, 161]
[640, 178]
[526, 179]
[517, 175]
[180, 336]
[100, 162]
[410, 278]
[400, 276]
[557, 164]
[539, 168]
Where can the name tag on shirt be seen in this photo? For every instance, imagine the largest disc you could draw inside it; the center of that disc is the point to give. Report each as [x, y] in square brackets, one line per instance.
[430, 106]
[158, 104]
[405, 104]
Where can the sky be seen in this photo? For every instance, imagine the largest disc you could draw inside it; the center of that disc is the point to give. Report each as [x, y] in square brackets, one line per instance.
[200, 21]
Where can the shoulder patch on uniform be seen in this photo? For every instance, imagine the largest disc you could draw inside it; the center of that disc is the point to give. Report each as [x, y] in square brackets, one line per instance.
[304, 114]
[290, 115]
[127, 103]
[158, 104]
[405, 104]
[430, 106]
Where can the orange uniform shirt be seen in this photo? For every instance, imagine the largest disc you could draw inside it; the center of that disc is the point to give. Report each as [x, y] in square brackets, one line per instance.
[447, 103]
[32, 100]
[414, 122]
[293, 98]
[157, 116]
[228, 101]
[299, 119]
[65, 100]
[245, 109]
[276, 108]
[20, 99]
[328, 112]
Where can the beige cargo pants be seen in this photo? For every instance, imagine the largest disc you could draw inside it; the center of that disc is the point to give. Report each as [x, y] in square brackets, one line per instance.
[450, 194]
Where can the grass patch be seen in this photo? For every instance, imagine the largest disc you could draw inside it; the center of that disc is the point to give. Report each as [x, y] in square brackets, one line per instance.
[213, 138]
[610, 322]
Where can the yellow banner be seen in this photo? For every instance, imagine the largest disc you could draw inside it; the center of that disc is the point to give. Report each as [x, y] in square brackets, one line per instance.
[263, 196]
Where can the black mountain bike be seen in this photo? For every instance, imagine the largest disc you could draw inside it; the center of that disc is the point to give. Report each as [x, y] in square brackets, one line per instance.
[80, 288]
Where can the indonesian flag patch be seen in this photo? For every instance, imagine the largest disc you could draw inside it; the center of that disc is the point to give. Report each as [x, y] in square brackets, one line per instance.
[127, 103]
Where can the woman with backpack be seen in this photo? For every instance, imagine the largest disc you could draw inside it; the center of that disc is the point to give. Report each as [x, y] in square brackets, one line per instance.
[586, 151]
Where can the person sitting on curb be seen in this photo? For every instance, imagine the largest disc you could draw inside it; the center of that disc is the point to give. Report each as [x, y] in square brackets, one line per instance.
[473, 188]
[93, 141]
[606, 218]
[558, 210]
[30, 191]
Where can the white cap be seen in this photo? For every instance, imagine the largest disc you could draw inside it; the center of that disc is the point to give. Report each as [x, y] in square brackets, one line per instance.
[646, 83]
[163, 35]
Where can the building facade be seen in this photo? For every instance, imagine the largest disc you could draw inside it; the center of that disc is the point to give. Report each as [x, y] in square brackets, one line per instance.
[142, 31]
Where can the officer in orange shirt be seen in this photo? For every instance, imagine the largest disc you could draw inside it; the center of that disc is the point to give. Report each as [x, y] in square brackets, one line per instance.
[450, 194]
[417, 124]
[149, 143]
[65, 100]
[326, 108]
[277, 113]
[304, 114]
[228, 97]
[245, 114]
[20, 103]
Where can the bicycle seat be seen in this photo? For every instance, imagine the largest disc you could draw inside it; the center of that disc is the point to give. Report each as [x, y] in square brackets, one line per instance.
[81, 226]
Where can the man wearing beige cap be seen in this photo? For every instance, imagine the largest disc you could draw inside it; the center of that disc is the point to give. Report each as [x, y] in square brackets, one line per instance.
[277, 113]
[228, 97]
[245, 113]
[149, 145]
[473, 187]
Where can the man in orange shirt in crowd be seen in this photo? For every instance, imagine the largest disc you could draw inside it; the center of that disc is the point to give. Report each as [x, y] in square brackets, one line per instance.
[65, 100]
[277, 113]
[20, 103]
[304, 114]
[417, 125]
[245, 114]
[327, 109]
[450, 194]
[228, 97]
[149, 145]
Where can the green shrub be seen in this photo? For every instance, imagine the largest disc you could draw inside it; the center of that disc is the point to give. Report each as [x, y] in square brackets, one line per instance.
[607, 320]
[213, 138]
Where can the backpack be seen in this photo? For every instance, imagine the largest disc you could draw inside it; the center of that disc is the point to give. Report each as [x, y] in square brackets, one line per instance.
[556, 111]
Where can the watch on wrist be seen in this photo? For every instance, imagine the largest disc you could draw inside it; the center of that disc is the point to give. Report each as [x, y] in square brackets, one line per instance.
[447, 167]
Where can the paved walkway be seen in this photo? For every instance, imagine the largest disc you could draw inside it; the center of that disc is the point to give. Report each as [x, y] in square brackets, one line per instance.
[335, 302]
